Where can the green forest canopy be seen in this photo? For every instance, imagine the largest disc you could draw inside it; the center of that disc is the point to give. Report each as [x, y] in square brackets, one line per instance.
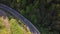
[44, 14]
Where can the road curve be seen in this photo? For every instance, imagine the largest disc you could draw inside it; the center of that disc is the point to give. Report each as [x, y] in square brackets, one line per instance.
[16, 14]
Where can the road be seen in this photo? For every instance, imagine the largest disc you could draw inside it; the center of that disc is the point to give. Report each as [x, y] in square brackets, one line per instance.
[16, 14]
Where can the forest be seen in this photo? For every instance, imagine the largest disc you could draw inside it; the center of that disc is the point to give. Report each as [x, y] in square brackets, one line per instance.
[44, 14]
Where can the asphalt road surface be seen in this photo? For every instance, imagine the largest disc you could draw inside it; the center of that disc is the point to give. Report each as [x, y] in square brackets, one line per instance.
[16, 14]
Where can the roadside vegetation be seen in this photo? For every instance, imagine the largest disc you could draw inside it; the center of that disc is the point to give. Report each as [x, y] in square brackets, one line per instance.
[44, 14]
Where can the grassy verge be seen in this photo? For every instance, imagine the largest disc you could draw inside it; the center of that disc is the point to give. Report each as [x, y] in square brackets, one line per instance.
[14, 26]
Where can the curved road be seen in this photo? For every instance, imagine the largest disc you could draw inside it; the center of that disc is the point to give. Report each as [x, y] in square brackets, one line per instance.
[15, 13]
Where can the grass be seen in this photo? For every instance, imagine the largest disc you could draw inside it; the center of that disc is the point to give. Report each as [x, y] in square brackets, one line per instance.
[14, 26]
[3, 30]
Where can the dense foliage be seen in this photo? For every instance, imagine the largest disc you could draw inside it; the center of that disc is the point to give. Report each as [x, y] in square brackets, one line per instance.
[44, 14]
